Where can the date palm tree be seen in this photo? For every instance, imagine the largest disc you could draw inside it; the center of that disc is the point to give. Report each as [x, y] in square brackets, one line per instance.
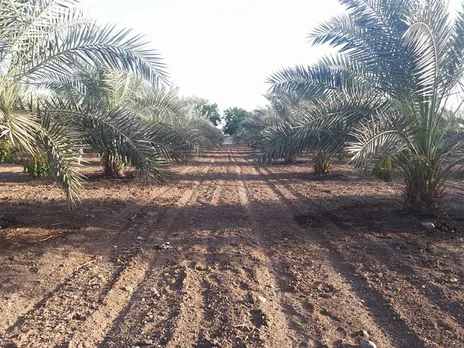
[187, 114]
[177, 128]
[125, 119]
[290, 126]
[394, 86]
[47, 39]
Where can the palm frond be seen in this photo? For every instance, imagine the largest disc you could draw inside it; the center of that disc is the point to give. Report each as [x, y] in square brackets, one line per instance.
[159, 104]
[62, 144]
[115, 48]
[382, 135]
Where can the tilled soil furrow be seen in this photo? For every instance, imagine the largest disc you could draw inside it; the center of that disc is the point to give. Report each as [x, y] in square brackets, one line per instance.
[224, 300]
[148, 319]
[153, 263]
[308, 322]
[378, 285]
[67, 309]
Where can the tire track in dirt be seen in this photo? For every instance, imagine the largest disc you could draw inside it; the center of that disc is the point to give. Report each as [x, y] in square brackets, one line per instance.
[62, 312]
[193, 312]
[260, 204]
[277, 332]
[234, 315]
[308, 322]
[369, 303]
[147, 319]
[401, 305]
[226, 283]
[121, 298]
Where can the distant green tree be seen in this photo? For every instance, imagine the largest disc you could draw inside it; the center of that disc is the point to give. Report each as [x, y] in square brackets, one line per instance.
[233, 117]
[211, 112]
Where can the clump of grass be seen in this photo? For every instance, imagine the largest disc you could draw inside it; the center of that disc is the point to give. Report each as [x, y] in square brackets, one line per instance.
[6, 152]
[383, 169]
[38, 167]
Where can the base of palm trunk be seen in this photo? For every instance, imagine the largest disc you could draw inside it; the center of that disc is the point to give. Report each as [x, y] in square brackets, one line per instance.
[290, 160]
[424, 201]
[322, 163]
[424, 183]
[112, 167]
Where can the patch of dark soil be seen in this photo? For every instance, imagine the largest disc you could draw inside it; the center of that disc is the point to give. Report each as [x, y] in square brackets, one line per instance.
[309, 220]
[258, 318]
[319, 220]
[8, 221]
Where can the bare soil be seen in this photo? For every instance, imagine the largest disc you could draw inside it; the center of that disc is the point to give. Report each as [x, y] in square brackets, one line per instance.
[257, 257]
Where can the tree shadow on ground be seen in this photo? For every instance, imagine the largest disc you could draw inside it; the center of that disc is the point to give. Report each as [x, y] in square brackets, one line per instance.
[96, 236]
[100, 224]
[353, 218]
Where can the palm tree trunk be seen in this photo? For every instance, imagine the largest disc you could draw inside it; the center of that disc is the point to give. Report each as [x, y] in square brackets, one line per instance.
[424, 183]
[322, 163]
[112, 168]
[290, 159]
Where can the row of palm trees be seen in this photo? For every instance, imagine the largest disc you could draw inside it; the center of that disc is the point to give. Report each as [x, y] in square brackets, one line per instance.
[393, 89]
[68, 84]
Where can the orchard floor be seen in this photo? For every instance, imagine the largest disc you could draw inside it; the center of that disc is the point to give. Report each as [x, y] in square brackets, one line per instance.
[257, 257]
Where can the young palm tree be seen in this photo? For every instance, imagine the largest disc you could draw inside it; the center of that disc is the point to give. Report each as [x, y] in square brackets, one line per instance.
[290, 127]
[192, 118]
[267, 131]
[50, 39]
[263, 129]
[395, 85]
[253, 126]
[123, 118]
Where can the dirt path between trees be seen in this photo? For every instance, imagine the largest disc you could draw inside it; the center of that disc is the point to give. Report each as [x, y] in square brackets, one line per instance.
[227, 255]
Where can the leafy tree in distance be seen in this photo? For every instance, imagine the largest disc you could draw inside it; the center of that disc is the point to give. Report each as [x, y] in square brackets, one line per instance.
[211, 112]
[233, 117]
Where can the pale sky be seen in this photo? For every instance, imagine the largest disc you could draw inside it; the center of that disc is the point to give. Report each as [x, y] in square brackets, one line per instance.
[223, 50]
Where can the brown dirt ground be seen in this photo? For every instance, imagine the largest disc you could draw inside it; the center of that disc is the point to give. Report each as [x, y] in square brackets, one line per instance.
[260, 257]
